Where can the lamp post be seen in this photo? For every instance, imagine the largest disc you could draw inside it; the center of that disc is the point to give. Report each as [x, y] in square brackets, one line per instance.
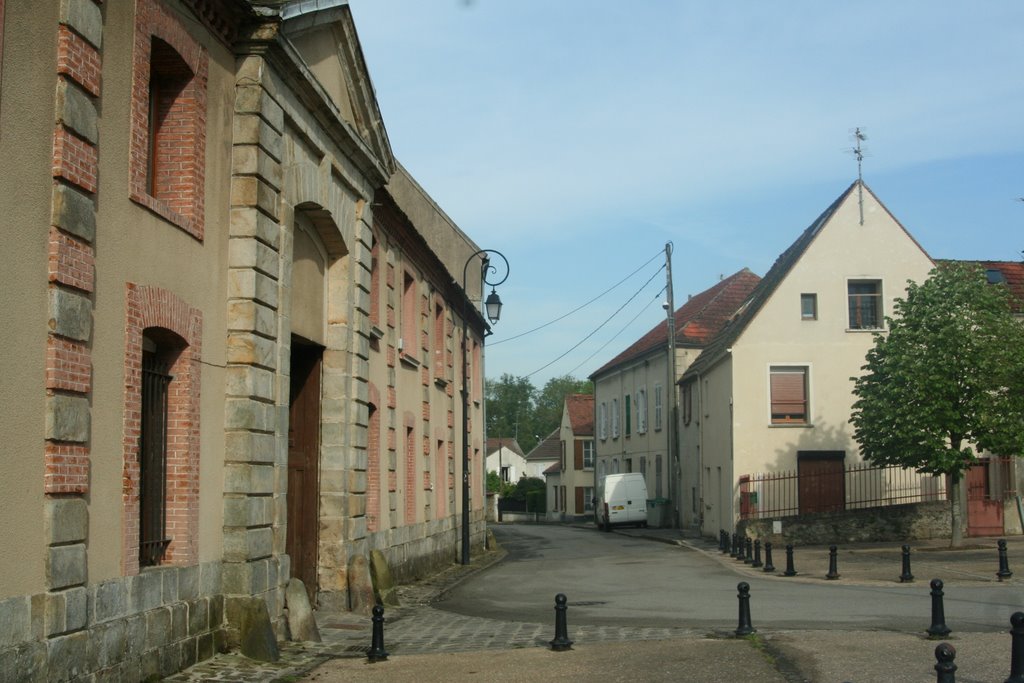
[492, 306]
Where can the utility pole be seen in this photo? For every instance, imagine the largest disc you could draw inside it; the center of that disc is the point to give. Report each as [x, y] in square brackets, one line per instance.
[674, 487]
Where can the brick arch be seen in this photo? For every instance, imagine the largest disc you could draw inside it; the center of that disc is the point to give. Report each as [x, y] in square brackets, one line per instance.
[156, 308]
[184, 209]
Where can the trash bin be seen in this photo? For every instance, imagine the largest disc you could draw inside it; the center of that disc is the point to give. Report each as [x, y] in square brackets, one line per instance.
[656, 511]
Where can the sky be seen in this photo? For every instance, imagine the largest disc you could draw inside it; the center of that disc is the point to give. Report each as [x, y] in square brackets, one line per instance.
[578, 137]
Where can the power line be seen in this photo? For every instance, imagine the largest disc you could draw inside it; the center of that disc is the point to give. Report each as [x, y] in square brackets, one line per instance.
[606, 321]
[621, 330]
[579, 308]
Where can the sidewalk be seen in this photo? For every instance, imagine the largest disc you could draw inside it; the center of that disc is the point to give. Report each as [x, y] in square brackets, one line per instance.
[976, 562]
[426, 644]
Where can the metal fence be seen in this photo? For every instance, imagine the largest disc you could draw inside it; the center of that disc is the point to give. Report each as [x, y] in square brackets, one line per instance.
[782, 494]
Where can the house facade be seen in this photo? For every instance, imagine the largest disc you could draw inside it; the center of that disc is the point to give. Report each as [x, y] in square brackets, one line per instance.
[237, 338]
[772, 392]
[505, 458]
[633, 392]
[570, 480]
[546, 453]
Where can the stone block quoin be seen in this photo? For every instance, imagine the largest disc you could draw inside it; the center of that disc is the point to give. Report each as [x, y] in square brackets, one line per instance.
[71, 261]
[78, 60]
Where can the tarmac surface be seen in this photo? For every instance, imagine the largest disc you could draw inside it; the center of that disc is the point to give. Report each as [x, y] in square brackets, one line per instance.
[428, 644]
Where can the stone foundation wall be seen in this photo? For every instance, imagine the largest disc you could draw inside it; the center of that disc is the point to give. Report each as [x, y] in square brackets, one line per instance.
[127, 629]
[893, 523]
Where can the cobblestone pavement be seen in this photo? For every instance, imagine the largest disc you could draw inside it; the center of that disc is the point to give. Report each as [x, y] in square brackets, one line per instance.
[417, 628]
[413, 628]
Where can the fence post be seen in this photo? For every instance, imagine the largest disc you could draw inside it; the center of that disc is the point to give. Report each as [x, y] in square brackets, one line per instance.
[1004, 564]
[906, 576]
[377, 653]
[833, 570]
[1016, 648]
[945, 669]
[768, 566]
[561, 643]
[744, 628]
[938, 628]
[790, 571]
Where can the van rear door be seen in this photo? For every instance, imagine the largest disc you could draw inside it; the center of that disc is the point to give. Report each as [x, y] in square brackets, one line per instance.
[637, 497]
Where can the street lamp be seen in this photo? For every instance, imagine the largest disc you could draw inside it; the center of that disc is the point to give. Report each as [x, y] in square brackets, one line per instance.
[492, 306]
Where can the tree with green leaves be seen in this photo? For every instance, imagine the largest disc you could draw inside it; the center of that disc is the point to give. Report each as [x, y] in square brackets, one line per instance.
[944, 381]
[551, 400]
[509, 403]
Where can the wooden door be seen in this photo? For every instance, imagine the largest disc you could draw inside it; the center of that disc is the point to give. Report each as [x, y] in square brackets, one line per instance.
[822, 486]
[984, 515]
[303, 460]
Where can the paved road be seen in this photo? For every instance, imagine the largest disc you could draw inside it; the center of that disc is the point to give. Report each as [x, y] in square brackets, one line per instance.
[611, 579]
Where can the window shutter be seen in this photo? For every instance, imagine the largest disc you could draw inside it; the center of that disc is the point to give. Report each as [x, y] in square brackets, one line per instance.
[578, 455]
[579, 500]
[788, 394]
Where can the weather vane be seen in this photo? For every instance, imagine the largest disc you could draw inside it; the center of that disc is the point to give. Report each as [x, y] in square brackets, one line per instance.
[859, 153]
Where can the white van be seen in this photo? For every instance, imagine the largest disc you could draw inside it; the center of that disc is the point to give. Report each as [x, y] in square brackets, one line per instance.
[621, 499]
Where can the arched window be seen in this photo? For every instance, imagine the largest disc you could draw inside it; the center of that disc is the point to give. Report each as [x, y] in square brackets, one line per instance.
[160, 350]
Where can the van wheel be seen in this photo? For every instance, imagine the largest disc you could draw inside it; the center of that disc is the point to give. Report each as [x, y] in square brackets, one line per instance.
[643, 525]
[607, 525]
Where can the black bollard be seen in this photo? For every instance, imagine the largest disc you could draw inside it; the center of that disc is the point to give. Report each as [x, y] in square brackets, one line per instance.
[1016, 648]
[733, 552]
[377, 653]
[757, 554]
[1004, 564]
[906, 576]
[741, 544]
[721, 540]
[748, 553]
[790, 571]
[945, 669]
[561, 643]
[833, 571]
[938, 628]
[768, 566]
[744, 628]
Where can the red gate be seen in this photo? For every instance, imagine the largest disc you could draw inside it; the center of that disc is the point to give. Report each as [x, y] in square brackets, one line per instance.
[984, 499]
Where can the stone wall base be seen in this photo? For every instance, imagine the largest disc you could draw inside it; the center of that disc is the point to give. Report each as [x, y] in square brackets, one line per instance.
[133, 628]
[915, 521]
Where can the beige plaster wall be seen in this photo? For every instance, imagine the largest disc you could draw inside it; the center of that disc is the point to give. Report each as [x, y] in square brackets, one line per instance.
[134, 245]
[26, 145]
[843, 250]
[708, 440]
[643, 373]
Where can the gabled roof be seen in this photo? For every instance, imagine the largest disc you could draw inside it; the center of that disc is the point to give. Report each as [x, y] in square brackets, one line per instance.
[553, 469]
[493, 444]
[548, 449]
[697, 321]
[1009, 273]
[716, 350]
[581, 413]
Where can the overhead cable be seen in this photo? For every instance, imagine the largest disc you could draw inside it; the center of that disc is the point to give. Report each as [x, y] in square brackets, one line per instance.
[598, 328]
[621, 330]
[579, 308]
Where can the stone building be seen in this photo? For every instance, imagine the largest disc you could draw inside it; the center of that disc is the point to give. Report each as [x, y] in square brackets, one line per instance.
[234, 329]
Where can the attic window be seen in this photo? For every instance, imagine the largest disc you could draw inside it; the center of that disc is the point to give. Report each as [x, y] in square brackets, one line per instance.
[994, 276]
